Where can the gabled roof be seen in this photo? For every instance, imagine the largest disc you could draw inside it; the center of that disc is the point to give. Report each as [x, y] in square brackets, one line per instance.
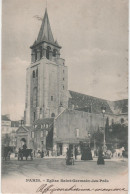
[120, 106]
[45, 30]
[22, 129]
[41, 123]
[44, 121]
[87, 103]
[5, 118]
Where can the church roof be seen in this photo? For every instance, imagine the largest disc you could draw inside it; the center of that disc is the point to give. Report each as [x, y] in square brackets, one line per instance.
[45, 123]
[45, 33]
[120, 106]
[87, 103]
[45, 30]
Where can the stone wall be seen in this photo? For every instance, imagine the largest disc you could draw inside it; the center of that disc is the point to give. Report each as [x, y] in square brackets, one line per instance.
[47, 90]
[70, 120]
[73, 126]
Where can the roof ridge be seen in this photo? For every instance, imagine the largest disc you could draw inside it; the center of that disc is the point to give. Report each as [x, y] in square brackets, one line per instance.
[60, 114]
[98, 97]
[90, 96]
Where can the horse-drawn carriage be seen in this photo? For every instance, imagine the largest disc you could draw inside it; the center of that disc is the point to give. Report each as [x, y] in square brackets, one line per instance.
[25, 153]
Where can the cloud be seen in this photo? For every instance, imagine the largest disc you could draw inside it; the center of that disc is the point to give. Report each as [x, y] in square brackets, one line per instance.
[94, 37]
[99, 72]
[13, 87]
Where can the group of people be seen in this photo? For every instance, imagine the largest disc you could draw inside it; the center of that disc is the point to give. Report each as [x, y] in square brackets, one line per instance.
[71, 153]
[86, 154]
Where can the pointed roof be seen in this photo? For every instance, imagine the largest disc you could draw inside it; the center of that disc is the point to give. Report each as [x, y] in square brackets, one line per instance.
[45, 33]
[22, 129]
[45, 30]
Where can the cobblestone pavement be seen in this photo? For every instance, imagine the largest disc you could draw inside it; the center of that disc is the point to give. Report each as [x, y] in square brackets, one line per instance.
[56, 166]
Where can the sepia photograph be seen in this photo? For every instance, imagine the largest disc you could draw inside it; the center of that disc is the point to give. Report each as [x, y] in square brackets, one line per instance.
[64, 115]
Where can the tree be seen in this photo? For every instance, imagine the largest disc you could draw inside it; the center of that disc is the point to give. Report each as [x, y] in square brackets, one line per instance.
[98, 137]
[6, 140]
[118, 135]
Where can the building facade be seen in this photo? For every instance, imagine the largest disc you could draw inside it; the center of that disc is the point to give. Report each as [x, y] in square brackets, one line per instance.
[5, 124]
[47, 77]
[55, 117]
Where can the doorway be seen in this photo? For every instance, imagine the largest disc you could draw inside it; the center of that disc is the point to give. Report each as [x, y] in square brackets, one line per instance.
[59, 150]
[70, 146]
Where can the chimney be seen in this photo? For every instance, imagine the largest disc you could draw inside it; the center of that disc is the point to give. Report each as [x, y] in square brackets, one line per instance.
[21, 122]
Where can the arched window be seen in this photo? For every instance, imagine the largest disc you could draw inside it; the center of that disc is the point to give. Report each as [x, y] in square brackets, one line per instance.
[40, 52]
[53, 115]
[34, 116]
[35, 97]
[23, 140]
[33, 74]
[48, 52]
[77, 132]
[40, 110]
[54, 52]
[37, 73]
[35, 54]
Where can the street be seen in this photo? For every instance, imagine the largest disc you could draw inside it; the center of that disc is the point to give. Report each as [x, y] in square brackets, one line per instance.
[40, 167]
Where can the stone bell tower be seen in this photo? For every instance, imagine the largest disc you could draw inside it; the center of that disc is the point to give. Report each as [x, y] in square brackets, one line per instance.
[46, 77]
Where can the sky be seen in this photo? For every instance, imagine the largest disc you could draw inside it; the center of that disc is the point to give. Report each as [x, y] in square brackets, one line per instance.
[94, 39]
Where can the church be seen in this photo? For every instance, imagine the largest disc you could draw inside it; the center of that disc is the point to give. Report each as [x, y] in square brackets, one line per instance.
[55, 117]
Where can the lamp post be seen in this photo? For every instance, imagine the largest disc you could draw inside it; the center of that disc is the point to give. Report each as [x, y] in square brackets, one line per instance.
[94, 145]
[89, 137]
[104, 139]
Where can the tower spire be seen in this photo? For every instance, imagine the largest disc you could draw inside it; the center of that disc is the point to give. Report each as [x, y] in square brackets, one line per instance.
[45, 30]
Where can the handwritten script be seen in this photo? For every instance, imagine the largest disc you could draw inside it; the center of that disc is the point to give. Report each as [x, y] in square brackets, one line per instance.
[45, 188]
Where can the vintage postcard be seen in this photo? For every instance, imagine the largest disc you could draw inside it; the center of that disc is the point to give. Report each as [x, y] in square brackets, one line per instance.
[64, 122]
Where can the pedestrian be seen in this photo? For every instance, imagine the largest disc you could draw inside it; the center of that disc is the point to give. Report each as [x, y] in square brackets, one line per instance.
[47, 152]
[100, 157]
[24, 146]
[75, 152]
[34, 153]
[89, 153]
[69, 157]
[42, 154]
